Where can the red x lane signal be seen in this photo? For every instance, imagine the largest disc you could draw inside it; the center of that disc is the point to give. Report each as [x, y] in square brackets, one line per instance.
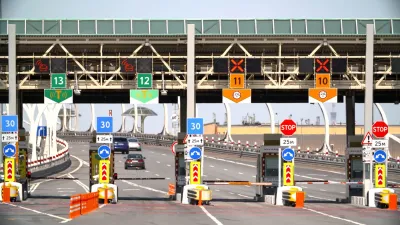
[236, 65]
[322, 65]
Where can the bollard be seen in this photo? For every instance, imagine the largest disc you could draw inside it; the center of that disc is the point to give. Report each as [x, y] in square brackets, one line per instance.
[225, 142]
[212, 140]
[337, 154]
[255, 145]
[105, 196]
[200, 201]
[247, 144]
[308, 150]
[239, 144]
[392, 202]
[299, 199]
[398, 159]
[298, 149]
[219, 141]
[6, 194]
[206, 139]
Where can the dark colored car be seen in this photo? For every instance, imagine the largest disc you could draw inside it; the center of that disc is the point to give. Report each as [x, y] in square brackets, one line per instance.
[135, 161]
[121, 144]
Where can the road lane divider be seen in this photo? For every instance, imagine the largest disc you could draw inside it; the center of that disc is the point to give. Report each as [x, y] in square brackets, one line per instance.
[82, 204]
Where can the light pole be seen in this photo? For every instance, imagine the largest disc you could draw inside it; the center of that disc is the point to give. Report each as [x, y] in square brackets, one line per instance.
[301, 130]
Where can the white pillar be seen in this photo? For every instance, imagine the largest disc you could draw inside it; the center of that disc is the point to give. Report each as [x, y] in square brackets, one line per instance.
[229, 122]
[122, 129]
[76, 116]
[165, 128]
[271, 117]
[64, 120]
[93, 112]
[326, 148]
[136, 129]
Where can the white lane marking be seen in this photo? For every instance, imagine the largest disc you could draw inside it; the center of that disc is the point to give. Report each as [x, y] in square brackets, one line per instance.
[158, 161]
[65, 188]
[303, 187]
[163, 154]
[102, 206]
[86, 163]
[168, 178]
[254, 176]
[225, 169]
[253, 166]
[211, 216]
[132, 189]
[152, 152]
[204, 175]
[334, 217]
[245, 196]
[247, 186]
[240, 173]
[342, 192]
[168, 165]
[217, 179]
[157, 175]
[211, 166]
[326, 199]
[120, 161]
[322, 190]
[216, 190]
[146, 171]
[144, 187]
[320, 175]
[81, 162]
[35, 211]
[65, 191]
[231, 193]
[330, 171]
[78, 182]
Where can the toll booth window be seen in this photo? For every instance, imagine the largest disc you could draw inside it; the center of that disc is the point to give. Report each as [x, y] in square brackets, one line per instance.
[357, 168]
[182, 166]
[271, 166]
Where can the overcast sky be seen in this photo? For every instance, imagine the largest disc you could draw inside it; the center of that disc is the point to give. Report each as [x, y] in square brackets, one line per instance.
[156, 9]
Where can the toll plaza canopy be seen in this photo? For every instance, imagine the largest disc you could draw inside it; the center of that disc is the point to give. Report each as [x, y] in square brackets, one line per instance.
[203, 27]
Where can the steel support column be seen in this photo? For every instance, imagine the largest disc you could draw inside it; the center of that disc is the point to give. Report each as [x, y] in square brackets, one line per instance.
[271, 117]
[350, 116]
[369, 91]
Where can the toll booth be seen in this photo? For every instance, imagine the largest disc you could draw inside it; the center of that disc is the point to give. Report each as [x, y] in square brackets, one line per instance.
[354, 167]
[180, 165]
[94, 160]
[268, 166]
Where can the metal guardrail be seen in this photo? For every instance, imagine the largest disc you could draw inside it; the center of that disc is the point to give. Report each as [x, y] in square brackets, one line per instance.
[43, 163]
[243, 151]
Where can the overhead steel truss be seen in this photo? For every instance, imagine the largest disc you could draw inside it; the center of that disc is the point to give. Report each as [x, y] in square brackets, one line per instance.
[280, 70]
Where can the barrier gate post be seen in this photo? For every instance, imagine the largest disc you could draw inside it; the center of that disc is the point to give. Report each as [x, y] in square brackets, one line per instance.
[354, 167]
[267, 166]
[180, 166]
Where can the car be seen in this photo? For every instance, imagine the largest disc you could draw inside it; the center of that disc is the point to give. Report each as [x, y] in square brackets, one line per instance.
[135, 161]
[121, 144]
[134, 144]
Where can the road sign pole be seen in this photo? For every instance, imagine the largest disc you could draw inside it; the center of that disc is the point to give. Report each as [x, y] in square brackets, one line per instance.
[279, 167]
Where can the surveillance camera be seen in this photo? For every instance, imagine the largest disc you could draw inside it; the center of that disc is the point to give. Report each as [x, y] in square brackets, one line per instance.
[77, 92]
[164, 92]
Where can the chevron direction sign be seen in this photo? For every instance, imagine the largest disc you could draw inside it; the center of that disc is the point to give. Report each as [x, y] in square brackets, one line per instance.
[380, 179]
[288, 173]
[195, 175]
[104, 175]
[9, 170]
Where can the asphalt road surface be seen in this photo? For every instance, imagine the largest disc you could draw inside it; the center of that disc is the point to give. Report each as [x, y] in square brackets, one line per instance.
[145, 202]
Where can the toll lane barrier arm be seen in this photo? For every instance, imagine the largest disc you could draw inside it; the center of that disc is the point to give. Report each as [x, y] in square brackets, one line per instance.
[229, 148]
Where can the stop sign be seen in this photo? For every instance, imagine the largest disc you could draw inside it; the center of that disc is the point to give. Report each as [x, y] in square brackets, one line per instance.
[380, 129]
[288, 127]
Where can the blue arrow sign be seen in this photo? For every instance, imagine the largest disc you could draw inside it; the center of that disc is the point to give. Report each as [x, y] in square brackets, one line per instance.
[9, 123]
[9, 150]
[288, 154]
[380, 156]
[195, 153]
[104, 151]
[41, 131]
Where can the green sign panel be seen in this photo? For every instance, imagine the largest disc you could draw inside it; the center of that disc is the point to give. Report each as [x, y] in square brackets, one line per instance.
[143, 96]
[145, 80]
[58, 81]
[52, 96]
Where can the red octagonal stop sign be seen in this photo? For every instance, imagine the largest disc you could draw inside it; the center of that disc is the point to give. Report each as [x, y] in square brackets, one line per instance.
[288, 127]
[380, 129]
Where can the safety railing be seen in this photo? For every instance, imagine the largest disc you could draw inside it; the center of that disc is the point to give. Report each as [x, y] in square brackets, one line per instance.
[82, 204]
[43, 163]
[227, 148]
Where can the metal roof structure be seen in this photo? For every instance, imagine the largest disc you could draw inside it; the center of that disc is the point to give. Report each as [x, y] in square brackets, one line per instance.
[142, 111]
[207, 27]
